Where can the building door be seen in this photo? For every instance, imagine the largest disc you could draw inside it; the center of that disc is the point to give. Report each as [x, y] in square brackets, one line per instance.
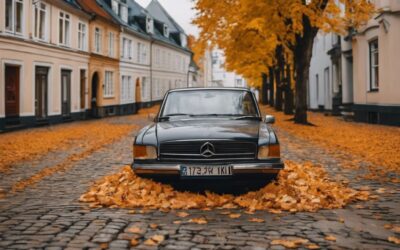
[138, 92]
[65, 92]
[41, 92]
[12, 91]
[83, 88]
[93, 101]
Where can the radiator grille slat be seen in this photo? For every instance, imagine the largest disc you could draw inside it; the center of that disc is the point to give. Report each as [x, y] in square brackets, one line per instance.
[190, 150]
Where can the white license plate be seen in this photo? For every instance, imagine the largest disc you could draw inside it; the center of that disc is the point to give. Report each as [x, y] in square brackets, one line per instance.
[206, 171]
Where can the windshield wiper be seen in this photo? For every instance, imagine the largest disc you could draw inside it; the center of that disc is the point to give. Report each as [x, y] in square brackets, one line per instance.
[245, 117]
[176, 114]
[166, 117]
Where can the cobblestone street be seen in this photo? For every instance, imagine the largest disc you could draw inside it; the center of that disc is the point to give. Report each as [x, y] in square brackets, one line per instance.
[48, 215]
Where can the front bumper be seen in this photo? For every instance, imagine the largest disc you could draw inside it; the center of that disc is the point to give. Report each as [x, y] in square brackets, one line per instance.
[238, 168]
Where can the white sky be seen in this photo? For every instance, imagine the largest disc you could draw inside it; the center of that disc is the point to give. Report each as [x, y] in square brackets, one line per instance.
[180, 10]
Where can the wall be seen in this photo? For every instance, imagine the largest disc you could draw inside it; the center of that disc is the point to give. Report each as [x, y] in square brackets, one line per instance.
[168, 72]
[389, 52]
[321, 95]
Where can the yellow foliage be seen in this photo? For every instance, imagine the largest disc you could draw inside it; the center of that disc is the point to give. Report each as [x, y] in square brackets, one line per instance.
[249, 31]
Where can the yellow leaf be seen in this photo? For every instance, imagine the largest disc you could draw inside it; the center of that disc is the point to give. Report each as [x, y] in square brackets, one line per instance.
[134, 242]
[135, 230]
[330, 238]
[394, 239]
[312, 246]
[289, 243]
[198, 221]
[234, 216]
[256, 220]
[182, 214]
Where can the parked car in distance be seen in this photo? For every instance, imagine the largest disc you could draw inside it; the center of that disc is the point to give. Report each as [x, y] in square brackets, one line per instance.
[208, 134]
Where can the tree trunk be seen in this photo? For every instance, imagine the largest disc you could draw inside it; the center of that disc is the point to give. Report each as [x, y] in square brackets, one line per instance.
[279, 75]
[302, 57]
[289, 102]
[278, 92]
[264, 89]
[271, 87]
[303, 54]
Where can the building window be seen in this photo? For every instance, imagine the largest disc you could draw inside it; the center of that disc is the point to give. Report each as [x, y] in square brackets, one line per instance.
[145, 88]
[141, 53]
[40, 21]
[111, 44]
[124, 13]
[97, 40]
[166, 30]
[127, 89]
[115, 7]
[64, 28]
[108, 90]
[82, 36]
[374, 65]
[126, 48]
[149, 25]
[14, 16]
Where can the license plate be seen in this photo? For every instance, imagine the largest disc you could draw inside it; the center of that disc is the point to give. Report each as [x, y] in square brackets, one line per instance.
[187, 171]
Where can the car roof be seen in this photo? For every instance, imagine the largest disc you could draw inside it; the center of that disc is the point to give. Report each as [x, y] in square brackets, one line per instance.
[208, 88]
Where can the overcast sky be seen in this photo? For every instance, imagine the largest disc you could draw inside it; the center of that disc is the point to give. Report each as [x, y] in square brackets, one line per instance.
[180, 10]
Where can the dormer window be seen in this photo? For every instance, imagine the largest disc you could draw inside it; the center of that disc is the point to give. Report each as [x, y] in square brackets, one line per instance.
[166, 30]
[149, 25]
[124, 13]
[115, 6]
[183, 40]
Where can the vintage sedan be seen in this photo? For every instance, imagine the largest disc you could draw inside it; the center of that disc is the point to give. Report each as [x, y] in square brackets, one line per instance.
[208, 134]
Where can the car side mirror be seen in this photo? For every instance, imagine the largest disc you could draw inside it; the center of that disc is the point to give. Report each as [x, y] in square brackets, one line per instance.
[269, 119]
[151, 117]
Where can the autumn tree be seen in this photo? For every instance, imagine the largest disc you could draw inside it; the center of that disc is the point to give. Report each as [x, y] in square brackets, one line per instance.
[250, 31]
[198, 48]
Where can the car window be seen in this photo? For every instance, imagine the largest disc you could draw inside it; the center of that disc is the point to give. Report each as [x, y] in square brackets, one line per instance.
[210, 102]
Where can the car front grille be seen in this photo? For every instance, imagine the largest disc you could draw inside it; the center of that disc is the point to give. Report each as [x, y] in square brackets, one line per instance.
[222, 150]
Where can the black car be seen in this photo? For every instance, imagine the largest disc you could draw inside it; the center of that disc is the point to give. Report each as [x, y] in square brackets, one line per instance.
[208, 134]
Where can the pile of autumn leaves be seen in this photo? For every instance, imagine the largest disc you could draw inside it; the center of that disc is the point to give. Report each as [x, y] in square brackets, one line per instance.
[300, 187]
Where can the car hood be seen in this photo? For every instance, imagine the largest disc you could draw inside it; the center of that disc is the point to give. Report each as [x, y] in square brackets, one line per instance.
[207, 129]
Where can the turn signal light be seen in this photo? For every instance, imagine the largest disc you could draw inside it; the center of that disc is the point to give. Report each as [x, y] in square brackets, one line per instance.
[144, 152]
[274, 151]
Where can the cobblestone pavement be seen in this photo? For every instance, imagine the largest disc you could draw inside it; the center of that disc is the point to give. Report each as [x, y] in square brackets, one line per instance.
[49, 215]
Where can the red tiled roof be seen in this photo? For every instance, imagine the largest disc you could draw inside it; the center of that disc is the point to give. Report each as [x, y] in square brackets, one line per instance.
[92, 7]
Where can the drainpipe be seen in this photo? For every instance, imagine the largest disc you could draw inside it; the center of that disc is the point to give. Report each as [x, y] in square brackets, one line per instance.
[151, 70]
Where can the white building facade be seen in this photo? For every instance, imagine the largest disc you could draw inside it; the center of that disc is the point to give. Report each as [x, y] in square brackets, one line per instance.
[220, 76]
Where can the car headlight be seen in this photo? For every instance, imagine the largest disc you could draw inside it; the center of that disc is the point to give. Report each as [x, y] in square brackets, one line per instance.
[144, 152]
[269, 151]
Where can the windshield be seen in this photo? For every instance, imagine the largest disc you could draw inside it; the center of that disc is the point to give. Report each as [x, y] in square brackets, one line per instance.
[210, 102]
